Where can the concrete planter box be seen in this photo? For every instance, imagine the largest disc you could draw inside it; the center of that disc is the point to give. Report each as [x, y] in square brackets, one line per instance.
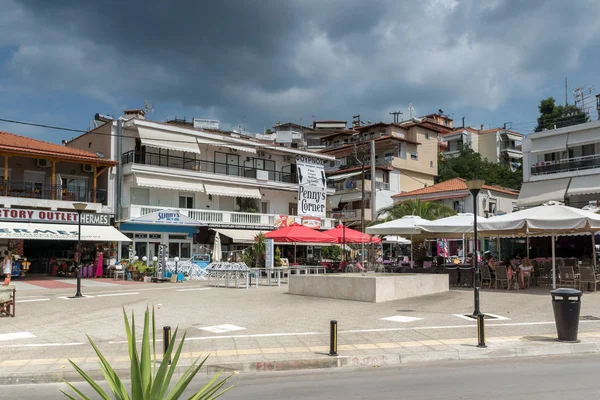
[372, 288]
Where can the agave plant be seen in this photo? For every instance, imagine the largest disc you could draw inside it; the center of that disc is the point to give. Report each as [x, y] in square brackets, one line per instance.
[148, 383]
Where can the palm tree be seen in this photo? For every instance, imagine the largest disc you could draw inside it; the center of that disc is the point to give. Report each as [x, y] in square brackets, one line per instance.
[425, 209]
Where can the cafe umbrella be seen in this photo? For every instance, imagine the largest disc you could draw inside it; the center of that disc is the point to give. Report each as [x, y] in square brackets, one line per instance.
[297, 233]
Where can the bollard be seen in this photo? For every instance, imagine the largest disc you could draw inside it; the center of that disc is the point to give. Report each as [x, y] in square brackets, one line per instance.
[166, 340]
[333, 338]
[481, 330]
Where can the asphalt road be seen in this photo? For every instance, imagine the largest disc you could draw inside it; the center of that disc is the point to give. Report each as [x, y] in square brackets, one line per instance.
[548, 378]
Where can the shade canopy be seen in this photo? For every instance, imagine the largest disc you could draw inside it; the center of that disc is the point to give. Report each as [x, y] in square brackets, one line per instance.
[344, 234]
[406, 225]
[297, 233]
[455, 225]
[554, 219]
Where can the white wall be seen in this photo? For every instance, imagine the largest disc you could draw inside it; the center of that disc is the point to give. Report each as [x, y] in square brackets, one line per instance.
[279, 200]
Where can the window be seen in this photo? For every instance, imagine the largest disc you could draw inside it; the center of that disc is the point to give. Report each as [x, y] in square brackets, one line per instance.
[427, 136]
[390, 154]
[186, 201]
[459, 206]
[414, 156]
[292, 208]
[264, 207]
[492, 206]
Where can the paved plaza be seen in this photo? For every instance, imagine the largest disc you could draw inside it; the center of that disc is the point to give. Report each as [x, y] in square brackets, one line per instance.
[264, 329]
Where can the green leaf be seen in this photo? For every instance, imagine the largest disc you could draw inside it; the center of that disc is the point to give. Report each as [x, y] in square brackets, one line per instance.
[160, 384]
[77, 391]
[110, 375]
[154, 339]
[137, 391]
[68, 395]
[173, 365]
[146, 360]
[89, 380]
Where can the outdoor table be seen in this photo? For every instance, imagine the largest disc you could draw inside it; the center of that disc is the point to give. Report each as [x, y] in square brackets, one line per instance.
[308, 269]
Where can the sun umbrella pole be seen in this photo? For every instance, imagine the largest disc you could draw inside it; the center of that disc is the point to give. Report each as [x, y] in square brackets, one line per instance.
[527, 244]
[553, 262]
[294, 252]
[464, 249]
[594, 249]
[410, 262]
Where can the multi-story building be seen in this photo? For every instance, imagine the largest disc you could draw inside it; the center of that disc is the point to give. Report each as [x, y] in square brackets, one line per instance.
[177, 185]
[562, 165]
[41, 183]
[405, 159]
[497, 145]
[298, 136]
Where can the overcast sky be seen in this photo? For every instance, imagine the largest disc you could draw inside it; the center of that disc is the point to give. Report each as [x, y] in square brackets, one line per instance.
[268, 61]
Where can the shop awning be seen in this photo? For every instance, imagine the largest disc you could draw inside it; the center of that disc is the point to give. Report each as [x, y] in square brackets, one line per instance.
[334, 200]
[581, 138]
[243, 236]
[514, 136]
[232, 191]
[172, 140]
[549, 144]
[186, 185]
[353, 196]
[583, 185]
[343, 176]
[89, 233]
[537, 193]
[245, 149]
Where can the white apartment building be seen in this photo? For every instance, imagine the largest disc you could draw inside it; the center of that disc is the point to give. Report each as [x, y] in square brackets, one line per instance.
[177, 185]
[497, 145]
[562, 165]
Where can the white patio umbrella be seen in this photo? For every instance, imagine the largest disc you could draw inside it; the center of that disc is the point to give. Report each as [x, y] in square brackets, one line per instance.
[406, 225]
[548, 220]
[217, 248]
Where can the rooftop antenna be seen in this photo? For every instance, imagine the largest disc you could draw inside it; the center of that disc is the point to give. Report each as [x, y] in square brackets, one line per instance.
[411, 108]
[396, 115]
[148, 108]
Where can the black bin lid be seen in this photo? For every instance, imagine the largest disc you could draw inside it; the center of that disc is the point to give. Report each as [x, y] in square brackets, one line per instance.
[566, 292]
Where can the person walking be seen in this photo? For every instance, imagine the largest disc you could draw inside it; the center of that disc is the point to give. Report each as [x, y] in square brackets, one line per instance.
[6, 268]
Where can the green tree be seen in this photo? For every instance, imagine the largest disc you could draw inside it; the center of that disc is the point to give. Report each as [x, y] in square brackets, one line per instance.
[425, 209]
[470, 165]
[558, 116]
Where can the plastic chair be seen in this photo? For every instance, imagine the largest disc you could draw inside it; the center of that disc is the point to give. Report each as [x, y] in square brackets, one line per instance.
[119, 270]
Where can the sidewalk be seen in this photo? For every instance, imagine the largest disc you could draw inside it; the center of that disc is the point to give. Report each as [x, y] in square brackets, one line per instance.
[266, 329]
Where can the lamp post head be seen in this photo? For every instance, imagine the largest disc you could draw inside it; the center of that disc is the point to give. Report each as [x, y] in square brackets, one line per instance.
[135, 258]
[475, 186]
[155, 259]
[79, 206]
[144, 259]
[176, 259]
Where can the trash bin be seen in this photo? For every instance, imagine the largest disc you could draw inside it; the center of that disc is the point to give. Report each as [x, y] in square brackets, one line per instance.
[566, 304]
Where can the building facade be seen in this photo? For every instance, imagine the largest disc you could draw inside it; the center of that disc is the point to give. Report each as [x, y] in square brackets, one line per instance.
[497, 145]
[562, 165]
[172, 175]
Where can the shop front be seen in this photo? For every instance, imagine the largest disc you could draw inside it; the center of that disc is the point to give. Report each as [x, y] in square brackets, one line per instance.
[46, 241]
[167, 227]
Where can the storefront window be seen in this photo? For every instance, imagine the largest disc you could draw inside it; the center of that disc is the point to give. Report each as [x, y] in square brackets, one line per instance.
[141, 249]
[173, 250]
[186, 250]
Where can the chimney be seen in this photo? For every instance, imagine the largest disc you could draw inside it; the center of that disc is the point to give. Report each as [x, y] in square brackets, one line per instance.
[481, 127]
[136, 113]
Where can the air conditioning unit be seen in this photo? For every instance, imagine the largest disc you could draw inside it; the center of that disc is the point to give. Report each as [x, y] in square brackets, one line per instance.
[43, 163]
[87, 168]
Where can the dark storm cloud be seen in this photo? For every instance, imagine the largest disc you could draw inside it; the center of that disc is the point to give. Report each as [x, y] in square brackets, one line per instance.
[288, 59]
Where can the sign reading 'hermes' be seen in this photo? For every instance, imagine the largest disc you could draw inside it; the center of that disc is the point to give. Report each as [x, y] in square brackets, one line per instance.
[48, 216]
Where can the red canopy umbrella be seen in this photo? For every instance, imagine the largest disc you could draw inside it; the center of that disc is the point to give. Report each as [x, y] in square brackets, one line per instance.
[297, 233]
[344, 235]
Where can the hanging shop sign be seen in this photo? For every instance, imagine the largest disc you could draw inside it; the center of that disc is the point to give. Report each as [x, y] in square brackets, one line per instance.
[57, 217]
[312, 222]
[282, 221]
[312, 199]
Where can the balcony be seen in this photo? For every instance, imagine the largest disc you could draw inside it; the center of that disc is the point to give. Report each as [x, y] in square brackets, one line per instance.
[211, 167]
[219, 218]
[356, 184]
[566, 165]
[350, 215]
[70, 193]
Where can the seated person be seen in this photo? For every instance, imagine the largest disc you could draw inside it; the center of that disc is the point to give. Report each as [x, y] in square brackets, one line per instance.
[525, 269]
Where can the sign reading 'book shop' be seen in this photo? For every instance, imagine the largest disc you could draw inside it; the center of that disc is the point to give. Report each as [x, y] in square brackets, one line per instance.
[312, 199]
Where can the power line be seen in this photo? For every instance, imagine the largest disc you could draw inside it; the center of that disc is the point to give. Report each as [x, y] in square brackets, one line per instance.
[43, 126]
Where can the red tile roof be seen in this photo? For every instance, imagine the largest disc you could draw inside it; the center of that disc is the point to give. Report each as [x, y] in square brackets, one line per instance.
[452, 185]
[15, 144]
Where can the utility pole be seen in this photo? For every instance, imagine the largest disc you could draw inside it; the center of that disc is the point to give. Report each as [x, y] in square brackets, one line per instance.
[373, 183]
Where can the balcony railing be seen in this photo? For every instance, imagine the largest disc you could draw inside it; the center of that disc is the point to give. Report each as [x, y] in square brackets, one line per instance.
[220, 217]
[212, 167]
[565, 165]
[32, 190]
[350, 214]
[355, 184]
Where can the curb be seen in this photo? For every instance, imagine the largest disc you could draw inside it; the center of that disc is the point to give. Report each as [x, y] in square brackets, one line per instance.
[349, 361]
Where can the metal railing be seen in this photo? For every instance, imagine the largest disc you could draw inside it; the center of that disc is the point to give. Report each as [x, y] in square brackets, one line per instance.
[212, 167]
[355, 184]
[32, 190]
[565, 165]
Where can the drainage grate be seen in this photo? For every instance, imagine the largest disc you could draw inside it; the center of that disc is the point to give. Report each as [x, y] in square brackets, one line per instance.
[485, 316]
[589, 318]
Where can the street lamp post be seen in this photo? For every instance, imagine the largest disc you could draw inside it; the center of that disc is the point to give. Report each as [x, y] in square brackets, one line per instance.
[176, 259]
[474, 187]
[79, 207]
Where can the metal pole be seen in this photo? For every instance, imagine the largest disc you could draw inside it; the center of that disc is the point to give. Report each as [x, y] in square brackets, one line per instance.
[553, 262]
[78, 294]
[373, 183]
[333, 338]
[166, 340]
[594, 249]
[476, 284]
[481, 330]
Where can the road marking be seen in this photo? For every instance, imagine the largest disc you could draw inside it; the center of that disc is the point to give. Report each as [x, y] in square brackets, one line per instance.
[75, 298]
[189, 290]
[496, 317]
[10, 346]
[221, 328]
[16, 335]
[31, 300]
[117, 294]
[401, 318]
